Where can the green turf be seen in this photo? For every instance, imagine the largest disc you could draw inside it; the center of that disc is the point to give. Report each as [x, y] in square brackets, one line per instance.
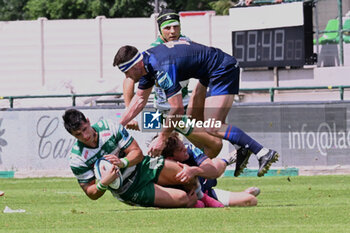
[286, 204]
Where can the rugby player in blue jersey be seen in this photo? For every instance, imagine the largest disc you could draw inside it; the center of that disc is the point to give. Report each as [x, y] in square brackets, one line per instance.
[195, 163]
[171, 63]
[169, 30]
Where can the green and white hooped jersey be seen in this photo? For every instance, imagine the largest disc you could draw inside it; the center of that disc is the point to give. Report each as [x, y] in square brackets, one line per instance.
[160, 100]
[112, 139]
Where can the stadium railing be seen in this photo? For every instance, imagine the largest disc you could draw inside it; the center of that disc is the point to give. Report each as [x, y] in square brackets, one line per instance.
[271, 91]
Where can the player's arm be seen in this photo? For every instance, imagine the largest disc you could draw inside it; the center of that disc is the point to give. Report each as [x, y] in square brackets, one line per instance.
[128, 90]
[91, 189]
[206, 169]
[133, 155]
[128, 93]
[138, 102]
[175, 113]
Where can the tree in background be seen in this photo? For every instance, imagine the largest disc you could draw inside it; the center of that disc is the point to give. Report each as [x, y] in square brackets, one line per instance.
[132, 8]
[221, 7]
[184, 5]
[86, 9]
[57, 9]
[12, 10]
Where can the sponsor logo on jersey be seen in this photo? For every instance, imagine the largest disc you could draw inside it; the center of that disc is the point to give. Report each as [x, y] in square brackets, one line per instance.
[106, 134]
[164, 80]
[123, 132]
[86, 154]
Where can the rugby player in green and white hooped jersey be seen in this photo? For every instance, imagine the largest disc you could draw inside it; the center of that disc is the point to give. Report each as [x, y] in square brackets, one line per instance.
[170, 30]
[143, 176]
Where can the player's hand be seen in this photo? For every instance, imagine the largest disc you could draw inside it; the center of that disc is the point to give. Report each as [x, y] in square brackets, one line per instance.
[113, 159]
[186, 174]
[156, 147]
[134, 125]
[248, 2]
[110, 176]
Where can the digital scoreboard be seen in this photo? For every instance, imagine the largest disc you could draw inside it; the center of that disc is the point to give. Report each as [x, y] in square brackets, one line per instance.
[273, 36]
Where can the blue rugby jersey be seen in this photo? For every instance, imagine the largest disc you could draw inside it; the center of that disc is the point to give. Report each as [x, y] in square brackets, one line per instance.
[196, 158]
[171, 63]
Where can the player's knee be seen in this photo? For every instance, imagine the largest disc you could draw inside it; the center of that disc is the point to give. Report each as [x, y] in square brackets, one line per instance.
[213, 131]
[183, 199]
[216, 146]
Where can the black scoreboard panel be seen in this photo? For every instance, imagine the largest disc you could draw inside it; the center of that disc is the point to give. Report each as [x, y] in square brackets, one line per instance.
[276, 47]
[269, 47]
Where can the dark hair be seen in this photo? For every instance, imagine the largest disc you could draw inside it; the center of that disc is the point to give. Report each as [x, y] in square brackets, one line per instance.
[73, 119]
[124, 54]
[165, 15]
[171, 145]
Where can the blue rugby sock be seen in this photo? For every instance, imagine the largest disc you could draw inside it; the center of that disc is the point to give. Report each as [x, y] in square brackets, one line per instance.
[237, 136]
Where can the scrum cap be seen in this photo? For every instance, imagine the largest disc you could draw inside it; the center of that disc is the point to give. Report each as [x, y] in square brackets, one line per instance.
[168, 17]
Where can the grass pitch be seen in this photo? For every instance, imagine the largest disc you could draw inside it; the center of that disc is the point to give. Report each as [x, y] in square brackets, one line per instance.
[295, 204]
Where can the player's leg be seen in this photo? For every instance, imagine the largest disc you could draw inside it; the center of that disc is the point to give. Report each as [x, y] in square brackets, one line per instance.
[168, 173]
[210, 144]
[225, 160]
[236, 136]
[198, 136]
[236, 198]
[217, 107]
[173, 198]
[167, 177]
[195, 109]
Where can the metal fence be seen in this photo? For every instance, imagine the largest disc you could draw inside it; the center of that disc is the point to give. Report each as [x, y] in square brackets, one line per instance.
[271, 91]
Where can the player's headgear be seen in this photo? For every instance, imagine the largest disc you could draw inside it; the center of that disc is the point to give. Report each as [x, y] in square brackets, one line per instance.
[126, 57]
[130, 63]
[167, 17]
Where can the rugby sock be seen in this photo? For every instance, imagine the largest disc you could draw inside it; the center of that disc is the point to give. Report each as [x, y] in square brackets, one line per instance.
[262, 152]
[237, 136]
[199, 192]
[225, 161]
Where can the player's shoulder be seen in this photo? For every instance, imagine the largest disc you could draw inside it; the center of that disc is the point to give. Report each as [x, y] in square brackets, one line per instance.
[185, 38]
[157, 42]
[103, 124]
[193, 149]
[77, 149]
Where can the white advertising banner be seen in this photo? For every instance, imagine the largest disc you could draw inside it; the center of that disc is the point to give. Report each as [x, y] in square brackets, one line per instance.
[36, 140]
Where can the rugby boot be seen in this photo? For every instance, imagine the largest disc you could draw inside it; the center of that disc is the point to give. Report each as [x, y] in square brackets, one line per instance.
[266, 160]
[243, 155]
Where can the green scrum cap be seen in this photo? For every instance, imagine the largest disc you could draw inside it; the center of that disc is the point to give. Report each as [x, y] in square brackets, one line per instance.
[167, 17]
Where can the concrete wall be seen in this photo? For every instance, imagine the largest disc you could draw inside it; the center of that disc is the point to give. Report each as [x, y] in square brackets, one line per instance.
[64, 56]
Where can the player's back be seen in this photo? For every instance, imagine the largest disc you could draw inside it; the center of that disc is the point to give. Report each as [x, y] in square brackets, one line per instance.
[191, 59]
